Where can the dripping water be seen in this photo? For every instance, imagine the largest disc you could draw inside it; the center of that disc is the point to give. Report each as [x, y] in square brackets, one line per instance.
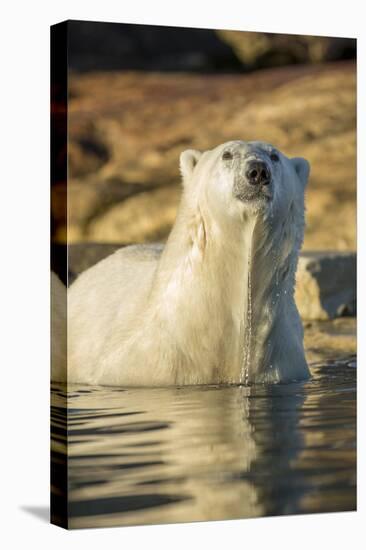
[248, 326]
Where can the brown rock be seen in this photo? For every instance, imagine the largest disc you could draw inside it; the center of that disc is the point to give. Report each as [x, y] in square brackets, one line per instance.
[145, 217]
[128, 129]
[326, 285]
[258, 49]
[328, 339]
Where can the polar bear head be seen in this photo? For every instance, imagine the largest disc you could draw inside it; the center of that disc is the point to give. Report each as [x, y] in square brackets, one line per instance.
[238, 180]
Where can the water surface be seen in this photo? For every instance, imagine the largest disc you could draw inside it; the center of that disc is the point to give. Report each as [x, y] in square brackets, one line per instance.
[142, 456]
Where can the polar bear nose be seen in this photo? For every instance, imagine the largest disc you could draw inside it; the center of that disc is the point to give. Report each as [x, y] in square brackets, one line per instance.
[258, 173]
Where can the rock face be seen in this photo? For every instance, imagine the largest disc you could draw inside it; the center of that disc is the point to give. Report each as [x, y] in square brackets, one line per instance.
[126, 131]
[149, 213]
[329, 339]
[326, 285]
[110, 46]
[258, 49]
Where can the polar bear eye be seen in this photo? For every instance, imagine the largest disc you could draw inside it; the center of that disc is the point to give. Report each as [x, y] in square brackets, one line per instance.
[274, 157]
[227, 155]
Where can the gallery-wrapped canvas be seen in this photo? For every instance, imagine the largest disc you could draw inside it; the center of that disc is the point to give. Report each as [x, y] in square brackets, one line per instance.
[203, 274]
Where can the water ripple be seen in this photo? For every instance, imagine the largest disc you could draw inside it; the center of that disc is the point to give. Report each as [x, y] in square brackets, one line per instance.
[136, 456]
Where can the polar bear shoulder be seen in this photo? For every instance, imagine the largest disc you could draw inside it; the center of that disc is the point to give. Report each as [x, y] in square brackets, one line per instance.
[109, 295]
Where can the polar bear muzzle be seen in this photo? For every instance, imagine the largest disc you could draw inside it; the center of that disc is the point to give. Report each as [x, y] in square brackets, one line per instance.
[258, 173]
[253, 179]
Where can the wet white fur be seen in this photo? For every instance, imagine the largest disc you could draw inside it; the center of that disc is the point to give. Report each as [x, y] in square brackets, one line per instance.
[184, 313]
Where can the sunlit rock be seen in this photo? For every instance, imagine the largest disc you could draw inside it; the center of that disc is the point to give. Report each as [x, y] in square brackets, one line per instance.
[326, 285]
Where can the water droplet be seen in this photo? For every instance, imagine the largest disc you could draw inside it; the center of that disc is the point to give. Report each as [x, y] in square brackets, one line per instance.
[248, 327]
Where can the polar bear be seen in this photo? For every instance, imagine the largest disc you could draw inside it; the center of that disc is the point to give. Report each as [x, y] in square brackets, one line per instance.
[215, 305]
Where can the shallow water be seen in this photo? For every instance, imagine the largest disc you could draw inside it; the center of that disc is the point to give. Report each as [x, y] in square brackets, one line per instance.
[141, 456]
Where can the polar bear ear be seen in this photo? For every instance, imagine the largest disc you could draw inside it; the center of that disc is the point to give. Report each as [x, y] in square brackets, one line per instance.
[302, 168]
[188, 161]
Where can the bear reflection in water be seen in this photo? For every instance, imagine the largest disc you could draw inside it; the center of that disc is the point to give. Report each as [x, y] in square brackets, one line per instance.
[176, 454]
[201, 453]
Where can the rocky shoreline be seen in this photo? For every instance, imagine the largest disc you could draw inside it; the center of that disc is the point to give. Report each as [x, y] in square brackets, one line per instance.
[127, 129]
